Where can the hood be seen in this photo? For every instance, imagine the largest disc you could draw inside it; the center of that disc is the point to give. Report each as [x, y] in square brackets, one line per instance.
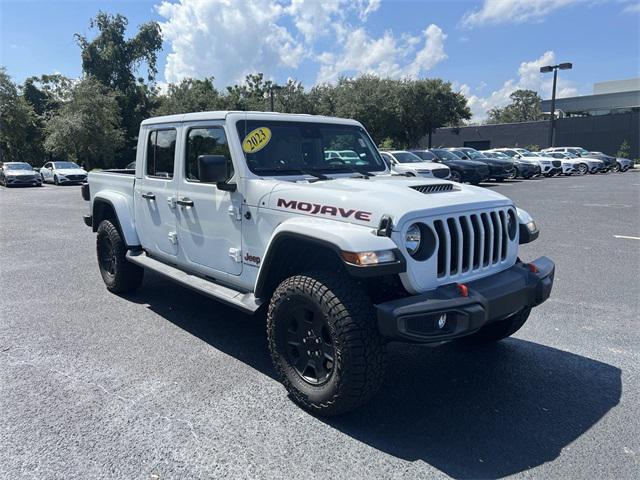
[71, 171]
[497, 162]
[464, 163]
[365, 201]
[421, 166]
[26, 171]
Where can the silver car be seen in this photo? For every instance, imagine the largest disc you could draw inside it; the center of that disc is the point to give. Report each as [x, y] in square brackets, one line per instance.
[13, 174]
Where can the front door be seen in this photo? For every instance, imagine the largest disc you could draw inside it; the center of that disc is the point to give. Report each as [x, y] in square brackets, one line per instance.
[155, 194]
[209, 219]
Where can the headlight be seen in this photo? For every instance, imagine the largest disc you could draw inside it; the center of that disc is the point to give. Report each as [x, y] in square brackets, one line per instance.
[412, 239]
[527, 227]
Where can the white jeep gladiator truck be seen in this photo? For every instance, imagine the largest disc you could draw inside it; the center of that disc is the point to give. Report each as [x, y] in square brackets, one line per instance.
[245, 207]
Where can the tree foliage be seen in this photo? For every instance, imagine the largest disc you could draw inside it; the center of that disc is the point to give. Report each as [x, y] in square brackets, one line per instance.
[114, 60]
[190, 95]
[86, 129]
[18, 123]
[624, 151]
[524, 107]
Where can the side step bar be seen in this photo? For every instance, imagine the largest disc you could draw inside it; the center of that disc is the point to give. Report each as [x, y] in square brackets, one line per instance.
[246, 302]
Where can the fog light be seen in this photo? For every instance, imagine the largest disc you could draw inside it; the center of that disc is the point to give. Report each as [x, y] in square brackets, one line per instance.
[442, 321]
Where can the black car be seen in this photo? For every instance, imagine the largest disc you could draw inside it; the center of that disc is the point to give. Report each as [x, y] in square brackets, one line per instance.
[523, 169]
[19, 173]
[461, 170]
[499, 169]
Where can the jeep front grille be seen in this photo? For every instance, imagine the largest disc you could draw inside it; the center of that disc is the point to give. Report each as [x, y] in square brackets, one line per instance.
[437, 188]
[468, 243]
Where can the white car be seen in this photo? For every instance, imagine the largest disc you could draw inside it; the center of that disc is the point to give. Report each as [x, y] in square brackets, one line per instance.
[62, 172]
[569, 165]
[548, 166]
[584, 164]
[404, 162]
[342, 262]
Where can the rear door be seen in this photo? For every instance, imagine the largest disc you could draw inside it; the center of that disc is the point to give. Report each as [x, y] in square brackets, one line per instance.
[155, 193]
[209, 219]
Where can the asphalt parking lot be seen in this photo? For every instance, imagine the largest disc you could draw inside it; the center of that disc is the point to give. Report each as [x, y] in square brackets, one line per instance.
[167, 384]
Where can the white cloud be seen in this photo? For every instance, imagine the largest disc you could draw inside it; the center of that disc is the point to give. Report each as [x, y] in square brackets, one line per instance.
[632, 8]
[494, 12]
[529, 77]
[385, 56]
[312, 17]
[226, 39]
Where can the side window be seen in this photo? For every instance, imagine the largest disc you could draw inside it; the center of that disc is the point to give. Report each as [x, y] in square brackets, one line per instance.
[205, 141]
[161, 153]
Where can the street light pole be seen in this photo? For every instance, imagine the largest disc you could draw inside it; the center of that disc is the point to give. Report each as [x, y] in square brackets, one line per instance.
[552, 120]
[552, 130]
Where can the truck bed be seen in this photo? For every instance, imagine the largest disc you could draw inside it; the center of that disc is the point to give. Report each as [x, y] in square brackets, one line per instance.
[120, 181]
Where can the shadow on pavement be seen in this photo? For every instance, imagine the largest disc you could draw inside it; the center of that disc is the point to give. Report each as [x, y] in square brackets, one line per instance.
[483, 413]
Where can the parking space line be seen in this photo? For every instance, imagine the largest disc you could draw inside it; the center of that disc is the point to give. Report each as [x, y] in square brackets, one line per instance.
[627, 237]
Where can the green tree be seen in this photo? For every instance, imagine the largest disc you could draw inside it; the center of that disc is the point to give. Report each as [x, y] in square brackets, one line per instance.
[524, 107]
[425, 105]
[86, 129]
[18, 122]
[624, 151]
[114, 61]
[47, 92]
[190, 95]
[253, 94]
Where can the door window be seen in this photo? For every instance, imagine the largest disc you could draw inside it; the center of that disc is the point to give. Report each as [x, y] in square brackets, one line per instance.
[161, 153]
[205, 141]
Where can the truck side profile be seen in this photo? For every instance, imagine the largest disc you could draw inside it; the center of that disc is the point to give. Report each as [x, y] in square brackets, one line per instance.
[249, 209]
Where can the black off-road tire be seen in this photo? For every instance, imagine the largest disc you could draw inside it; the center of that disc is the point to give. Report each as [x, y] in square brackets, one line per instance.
[348, 322]
[119, 275]
[497, 331]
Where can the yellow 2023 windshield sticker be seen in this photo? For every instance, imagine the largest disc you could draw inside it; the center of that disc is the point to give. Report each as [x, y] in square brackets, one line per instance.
[256, 140]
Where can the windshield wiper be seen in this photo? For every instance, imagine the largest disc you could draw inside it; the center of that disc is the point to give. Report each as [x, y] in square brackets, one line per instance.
[362, 173]
[304, 171]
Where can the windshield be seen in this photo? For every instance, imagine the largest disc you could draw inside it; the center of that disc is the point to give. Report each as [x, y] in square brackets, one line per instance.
[445, 154]
[407, 157]
[424, 155]
[61, 165]
[473, 154]
[17, 166]
[290, 148]
[500, 155]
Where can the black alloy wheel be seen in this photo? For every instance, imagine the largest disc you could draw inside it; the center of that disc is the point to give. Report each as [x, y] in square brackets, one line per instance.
[455, 176]
[307, 341]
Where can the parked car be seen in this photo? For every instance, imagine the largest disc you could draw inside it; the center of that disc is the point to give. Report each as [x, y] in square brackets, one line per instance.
[404, 162]
[499, 169]
[524, 168]
[13, 174]
[548, 166]
[622, 164]
[568, 166]
[608, 161]
[461, 170]
[343, 262]
[593, 165]
[62, 172]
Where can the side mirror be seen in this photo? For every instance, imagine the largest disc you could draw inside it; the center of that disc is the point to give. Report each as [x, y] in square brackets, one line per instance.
[215, 169]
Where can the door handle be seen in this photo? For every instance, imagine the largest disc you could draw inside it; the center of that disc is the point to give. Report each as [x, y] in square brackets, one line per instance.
[149, 196]
[185, 202]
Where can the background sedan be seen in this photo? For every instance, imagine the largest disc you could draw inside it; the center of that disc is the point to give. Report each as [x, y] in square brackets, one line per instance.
[62, 172]
[19, 173]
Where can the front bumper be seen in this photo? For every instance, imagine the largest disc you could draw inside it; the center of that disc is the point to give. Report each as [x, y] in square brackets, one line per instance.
[72, 179]
[23, 180]
[501, 173]
[475, 175]
[415, 319]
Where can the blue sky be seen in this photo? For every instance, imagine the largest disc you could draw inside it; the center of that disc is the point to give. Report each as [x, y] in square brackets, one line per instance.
[485, 48]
